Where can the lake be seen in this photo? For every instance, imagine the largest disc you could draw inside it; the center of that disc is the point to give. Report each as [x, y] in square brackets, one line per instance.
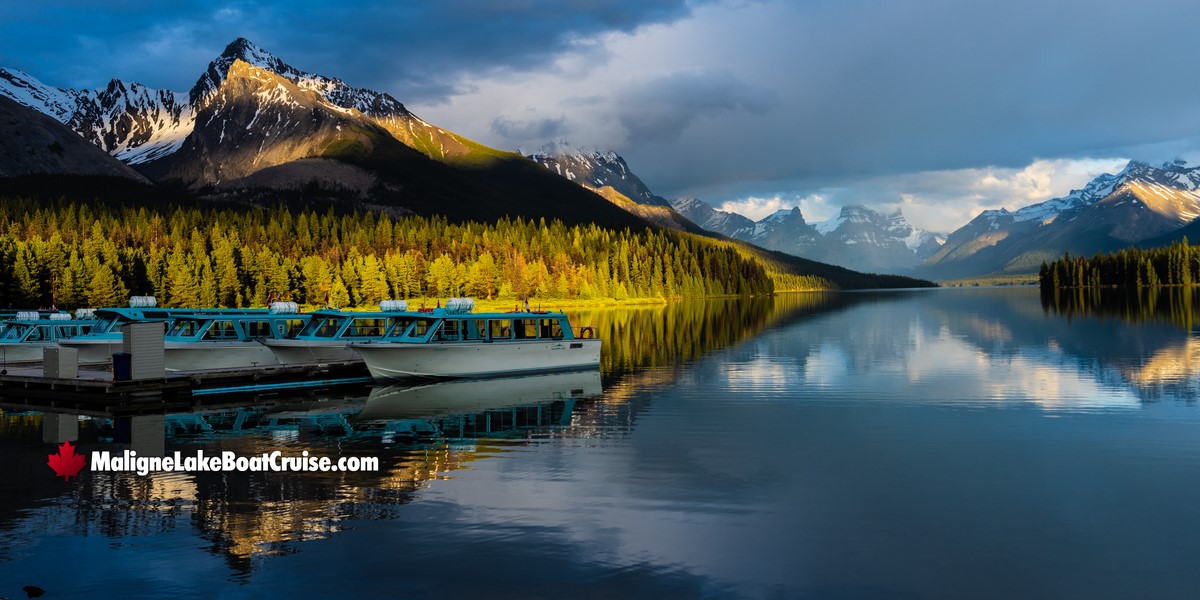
[952, 443]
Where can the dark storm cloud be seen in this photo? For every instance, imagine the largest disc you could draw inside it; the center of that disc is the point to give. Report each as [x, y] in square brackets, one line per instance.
[538, 129]
[871, 87]
[416, 50]
[659, 110]
[722, 99]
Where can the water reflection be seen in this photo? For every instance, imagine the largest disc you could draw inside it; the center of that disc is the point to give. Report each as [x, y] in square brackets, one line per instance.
[421, 434]
[711, 426]
[1178, 305]
[972, 348]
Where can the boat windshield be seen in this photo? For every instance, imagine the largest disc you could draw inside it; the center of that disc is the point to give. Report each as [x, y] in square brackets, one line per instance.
[367, 327]
[14, 333]
[221, 330]
[184, 328]
[105, 324]
[412, 329]
[323, 327]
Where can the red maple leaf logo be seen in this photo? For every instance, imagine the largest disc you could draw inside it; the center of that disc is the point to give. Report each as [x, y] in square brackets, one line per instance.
[66, 463]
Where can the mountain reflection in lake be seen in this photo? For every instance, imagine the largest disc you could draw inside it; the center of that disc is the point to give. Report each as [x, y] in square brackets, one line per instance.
[940, 443]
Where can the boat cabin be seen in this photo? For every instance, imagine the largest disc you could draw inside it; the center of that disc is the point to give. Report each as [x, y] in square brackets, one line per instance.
[338, 325]
[43, 330]
[244, 327]
[493, 327]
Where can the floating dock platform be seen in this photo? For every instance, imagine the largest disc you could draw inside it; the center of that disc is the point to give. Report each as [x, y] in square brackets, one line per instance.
[96, 388]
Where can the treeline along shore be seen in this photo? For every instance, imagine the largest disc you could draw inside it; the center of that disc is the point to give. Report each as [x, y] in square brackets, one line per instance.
[73, 254]
[1177, 264]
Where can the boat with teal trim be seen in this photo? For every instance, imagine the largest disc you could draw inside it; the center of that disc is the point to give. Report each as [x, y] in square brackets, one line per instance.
[328, 335]
[28, 333]
[230, 339]
[105, 338]
[457, 342]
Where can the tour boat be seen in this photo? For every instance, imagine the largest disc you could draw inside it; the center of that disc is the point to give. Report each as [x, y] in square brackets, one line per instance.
[327, 336]
[105, 338]
[205, 341]
[27, 334]
[456, 342]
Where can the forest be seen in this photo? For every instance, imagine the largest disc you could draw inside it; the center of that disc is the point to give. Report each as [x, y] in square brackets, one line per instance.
[1177, 264]
[70, 254]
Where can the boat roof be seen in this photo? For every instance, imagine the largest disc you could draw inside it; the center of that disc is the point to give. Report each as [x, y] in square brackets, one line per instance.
[240, 314]
[378, 314]
[517, 314]
[138, 314]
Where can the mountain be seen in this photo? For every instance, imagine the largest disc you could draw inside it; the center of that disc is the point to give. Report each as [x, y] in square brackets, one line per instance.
[1140, 203]
[34, 144]
[858, 238]
[129, 121]
[381, 108]
[596, 169]
[253, 128]
[725, 223]
[607, 174]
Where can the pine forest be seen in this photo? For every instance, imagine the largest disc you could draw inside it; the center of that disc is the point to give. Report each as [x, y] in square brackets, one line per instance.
[73, 255]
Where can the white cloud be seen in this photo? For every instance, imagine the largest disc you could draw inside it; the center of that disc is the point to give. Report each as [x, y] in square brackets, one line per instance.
[757, 208]
[814, 207]
[937, 200]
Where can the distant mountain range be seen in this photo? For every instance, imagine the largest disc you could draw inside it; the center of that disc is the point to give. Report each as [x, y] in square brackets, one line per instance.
[858, 238]
[1140, 204]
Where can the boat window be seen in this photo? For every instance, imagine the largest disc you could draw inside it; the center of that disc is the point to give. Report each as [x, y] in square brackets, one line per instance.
[551, 328]
[184, 329]
[525, 328]
[323, 327]
[366, 327]
[450, 331]
[420, 328]
[293, 328]
[35, 335]
[105, 324]
[221, 330]
[476, 329]
[500, 329]
[258, 328]
[398, 327]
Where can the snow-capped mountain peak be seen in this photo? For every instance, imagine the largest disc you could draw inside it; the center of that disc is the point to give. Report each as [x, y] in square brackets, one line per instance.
[1173, 174]
[595, 169]
[138, 124]
[133, 122]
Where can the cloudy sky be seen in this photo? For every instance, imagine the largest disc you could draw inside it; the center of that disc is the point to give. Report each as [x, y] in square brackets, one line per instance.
[939, 107]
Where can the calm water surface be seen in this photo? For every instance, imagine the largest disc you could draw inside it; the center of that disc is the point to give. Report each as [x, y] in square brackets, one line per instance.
[961, 443]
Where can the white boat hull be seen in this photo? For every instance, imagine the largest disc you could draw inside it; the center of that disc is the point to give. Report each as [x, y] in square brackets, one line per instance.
[203, 356]
[390, 360]
[295, 352]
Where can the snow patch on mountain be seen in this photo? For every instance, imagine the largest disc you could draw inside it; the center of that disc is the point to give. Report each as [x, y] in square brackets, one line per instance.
[595, 169]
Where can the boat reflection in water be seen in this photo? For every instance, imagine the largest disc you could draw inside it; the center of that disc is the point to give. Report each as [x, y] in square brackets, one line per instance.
[477, 395]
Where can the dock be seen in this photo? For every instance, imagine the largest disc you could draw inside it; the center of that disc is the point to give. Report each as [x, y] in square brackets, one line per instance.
[95, 387]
